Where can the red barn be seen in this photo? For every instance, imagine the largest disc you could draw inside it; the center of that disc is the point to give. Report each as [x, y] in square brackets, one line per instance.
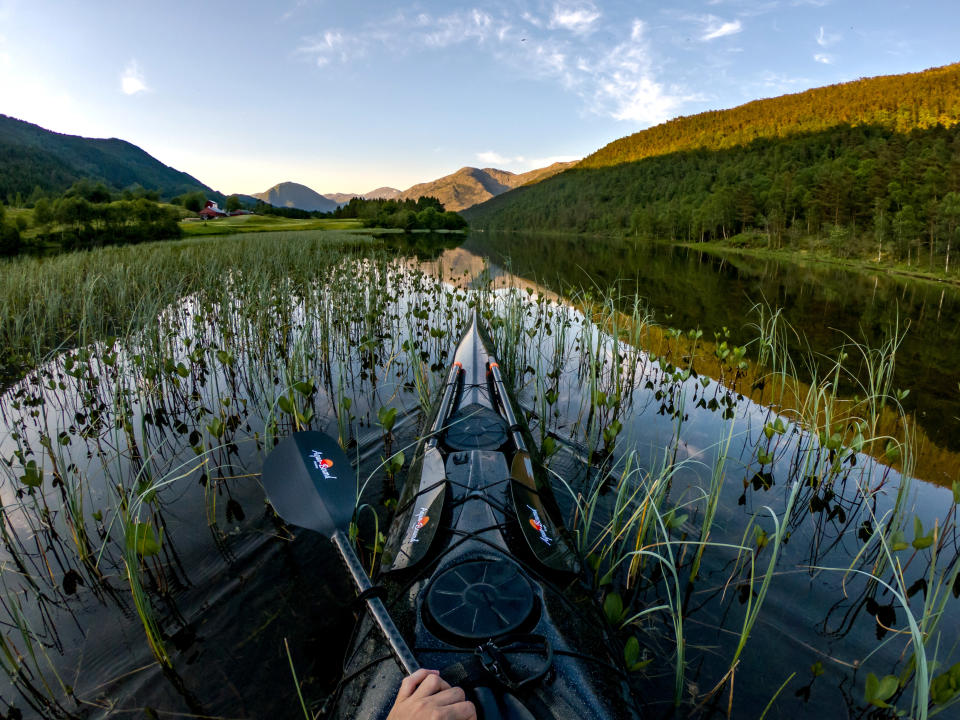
[212, 210]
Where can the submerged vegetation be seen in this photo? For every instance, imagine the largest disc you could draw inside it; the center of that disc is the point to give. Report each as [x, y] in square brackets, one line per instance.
[155, 378]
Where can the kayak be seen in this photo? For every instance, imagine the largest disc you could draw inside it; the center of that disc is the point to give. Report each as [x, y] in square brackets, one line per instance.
[478, 574]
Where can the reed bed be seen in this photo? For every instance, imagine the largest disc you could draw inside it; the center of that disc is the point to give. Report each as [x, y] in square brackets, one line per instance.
[146, 370]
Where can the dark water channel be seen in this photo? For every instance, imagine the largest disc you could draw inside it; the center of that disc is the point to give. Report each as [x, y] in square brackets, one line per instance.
[239, 598]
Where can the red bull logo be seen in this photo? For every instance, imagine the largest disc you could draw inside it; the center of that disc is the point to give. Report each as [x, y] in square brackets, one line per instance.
[537, 524]
[322, 464]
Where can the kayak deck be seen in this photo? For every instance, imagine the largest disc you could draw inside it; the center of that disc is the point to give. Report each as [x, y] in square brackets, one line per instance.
[478, 575]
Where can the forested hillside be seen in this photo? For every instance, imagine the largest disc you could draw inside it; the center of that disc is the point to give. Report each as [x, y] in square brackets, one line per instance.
[35, 161]
[848, 189]
[898, 102]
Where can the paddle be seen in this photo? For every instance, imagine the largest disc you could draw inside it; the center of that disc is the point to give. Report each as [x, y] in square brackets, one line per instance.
[310, 483]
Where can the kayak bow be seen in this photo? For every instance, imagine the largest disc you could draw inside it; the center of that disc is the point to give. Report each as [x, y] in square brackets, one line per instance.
[478, 574]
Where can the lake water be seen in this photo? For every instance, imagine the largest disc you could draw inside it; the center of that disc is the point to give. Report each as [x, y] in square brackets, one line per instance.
[826, 304]
[238, 597]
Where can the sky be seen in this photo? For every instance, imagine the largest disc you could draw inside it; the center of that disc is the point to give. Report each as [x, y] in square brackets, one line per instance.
[350, 96]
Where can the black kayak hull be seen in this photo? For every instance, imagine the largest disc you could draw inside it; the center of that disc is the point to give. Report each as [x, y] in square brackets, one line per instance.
[479, 576]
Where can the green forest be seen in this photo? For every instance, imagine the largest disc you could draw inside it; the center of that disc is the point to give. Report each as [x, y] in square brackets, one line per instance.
[866, 190]
[87, 215]
[869, 169]
[426, 213]
[898, 102]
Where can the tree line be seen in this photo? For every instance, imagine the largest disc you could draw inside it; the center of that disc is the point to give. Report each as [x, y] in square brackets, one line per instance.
[90, 214]
[425, 213]
[850, 190]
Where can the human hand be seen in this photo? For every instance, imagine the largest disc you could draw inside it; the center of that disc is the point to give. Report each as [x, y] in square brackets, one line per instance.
[424, 695]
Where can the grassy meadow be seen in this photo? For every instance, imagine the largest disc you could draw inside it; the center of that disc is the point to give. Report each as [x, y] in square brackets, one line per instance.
[264, 223]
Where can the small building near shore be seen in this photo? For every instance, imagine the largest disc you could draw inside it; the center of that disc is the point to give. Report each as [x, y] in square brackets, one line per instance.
[211, 211]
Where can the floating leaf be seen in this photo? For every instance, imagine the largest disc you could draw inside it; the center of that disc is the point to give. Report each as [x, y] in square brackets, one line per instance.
[549, 446]
[945, 687]
[284, 402]
[760, 536]
[817, 669]
[216, 427]
[921, 541]
[611, 431]
[387, 417]
[143, 540]
[898, 541]
[32, 475]
[304, 388]
[613, 608]
[673, 520]
[395, 463]
[893, 452]
[878, 691]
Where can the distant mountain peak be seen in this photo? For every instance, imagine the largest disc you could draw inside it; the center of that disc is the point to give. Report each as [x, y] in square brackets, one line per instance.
[295, 195]
[469, 186]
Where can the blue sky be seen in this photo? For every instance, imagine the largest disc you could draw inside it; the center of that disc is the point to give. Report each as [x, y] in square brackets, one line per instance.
[349, 96]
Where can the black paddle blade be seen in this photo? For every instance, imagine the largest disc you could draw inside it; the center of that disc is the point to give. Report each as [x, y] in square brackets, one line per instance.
[310, 483]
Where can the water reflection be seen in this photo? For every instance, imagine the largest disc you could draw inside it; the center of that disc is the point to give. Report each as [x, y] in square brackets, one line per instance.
[688, 289]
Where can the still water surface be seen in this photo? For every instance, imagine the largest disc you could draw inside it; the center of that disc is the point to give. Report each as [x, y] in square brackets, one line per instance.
[827, 305]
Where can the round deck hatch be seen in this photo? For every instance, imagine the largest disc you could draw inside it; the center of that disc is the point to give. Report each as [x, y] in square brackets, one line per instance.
[476, 427]
[480, 599]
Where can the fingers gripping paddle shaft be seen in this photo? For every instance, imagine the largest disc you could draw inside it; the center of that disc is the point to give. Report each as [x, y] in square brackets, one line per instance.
[310, 483]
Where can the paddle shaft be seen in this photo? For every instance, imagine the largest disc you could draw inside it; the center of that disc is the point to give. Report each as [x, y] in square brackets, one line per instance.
[377, 609]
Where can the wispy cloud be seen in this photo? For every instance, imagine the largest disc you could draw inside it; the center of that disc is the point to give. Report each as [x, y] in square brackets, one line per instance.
[491, 157]
[826, 39]
[575, 18]
[717, 28]
[823, 58]
[519, 163]
[132, 80]
[327, 46]
[617, 80]
[456, 28]
[626, 86]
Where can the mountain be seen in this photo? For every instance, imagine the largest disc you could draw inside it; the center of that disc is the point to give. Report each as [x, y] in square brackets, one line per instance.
[295, 195]
[31, 157]
[341, 198]
[469, 186]
[381, 193]
[871, 161]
